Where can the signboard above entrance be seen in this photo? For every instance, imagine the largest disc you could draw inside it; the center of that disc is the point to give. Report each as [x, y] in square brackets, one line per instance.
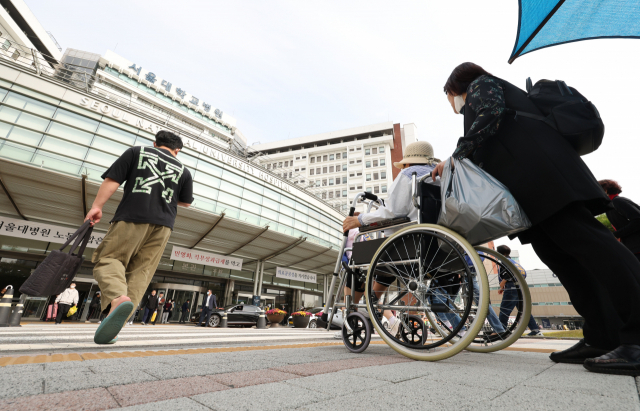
[32, 230]
[282, 272]
[204, 258]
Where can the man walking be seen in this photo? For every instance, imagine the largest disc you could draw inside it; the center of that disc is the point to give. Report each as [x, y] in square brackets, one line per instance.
[161, 302]
[208, 303]
[66, 300]
[185, 312]
[510, 298]
[150, 308]
[128, 256]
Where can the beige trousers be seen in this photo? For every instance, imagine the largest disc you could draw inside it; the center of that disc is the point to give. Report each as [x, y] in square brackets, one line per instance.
[127, 258]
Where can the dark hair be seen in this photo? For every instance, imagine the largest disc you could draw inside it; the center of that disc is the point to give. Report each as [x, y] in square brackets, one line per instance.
[504, 250]
[461, 77]
[610, 186]
[167, 139]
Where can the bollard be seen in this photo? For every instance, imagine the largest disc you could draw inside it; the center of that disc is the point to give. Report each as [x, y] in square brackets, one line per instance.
[262, 321]
[223, 321]
[17, 312]
[5, 307]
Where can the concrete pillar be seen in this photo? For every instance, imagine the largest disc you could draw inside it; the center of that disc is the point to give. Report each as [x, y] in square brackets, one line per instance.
[228, 292]
[325, 289]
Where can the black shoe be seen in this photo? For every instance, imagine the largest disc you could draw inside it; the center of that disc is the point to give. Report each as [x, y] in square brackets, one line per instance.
[624, 360]
[577, 353]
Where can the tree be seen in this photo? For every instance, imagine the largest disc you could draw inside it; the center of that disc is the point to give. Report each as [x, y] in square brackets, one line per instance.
[605, 221]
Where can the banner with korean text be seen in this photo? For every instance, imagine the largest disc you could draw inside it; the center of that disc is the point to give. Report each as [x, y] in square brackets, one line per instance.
[289, 274]
[32, 230]
[204, 258]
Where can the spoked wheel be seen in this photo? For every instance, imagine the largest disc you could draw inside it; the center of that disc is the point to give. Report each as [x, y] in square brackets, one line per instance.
[359, 340]
[414, 332]
[428, 269]
[214, 321]
[516, 298]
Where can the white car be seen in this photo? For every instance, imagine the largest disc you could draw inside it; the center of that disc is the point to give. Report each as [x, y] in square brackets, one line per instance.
[336, 323]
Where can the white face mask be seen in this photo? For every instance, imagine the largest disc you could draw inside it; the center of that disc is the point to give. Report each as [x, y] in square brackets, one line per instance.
[458, 102]
[72, 286]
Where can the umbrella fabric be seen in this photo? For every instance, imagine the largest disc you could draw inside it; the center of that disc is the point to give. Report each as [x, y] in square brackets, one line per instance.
[546, 23]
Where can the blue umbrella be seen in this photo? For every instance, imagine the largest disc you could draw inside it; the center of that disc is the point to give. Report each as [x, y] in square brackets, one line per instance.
[546, 23]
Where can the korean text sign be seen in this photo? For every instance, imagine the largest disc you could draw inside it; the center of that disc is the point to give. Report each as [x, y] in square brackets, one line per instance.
[204, 258]
[32, 230]
[289, 274]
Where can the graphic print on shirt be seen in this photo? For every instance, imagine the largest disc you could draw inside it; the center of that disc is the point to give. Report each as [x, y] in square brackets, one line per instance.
[149, 160]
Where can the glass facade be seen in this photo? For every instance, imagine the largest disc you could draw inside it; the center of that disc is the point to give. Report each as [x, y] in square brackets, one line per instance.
[59, 136]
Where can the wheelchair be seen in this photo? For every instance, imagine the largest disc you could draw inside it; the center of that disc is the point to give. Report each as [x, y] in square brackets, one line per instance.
[437, 284]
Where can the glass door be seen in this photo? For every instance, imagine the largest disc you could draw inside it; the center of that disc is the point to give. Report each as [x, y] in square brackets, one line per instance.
[179, 297]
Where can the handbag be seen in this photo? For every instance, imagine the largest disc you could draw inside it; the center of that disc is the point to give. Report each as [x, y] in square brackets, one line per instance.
[477, 206]
[56, 272]
[153, 317]
[72, 311]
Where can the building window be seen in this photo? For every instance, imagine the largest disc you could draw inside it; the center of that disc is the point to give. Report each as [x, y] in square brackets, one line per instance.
[344, 180]
[298, 158]
[6, 45]
[324, 158]
[381, 150]
[324, 195]
[318, 170]
[324, 182]
[319, 158]
[352, 188]
[382, 161]
[331, 181]
[374, 150]
[344, 155]
[358, 161]
[286, 164]
[358, 174]
[303, 157]
[280, 164]
[367, 151]
[311, 171]
[290, 174]
[331, 157]
[359, 187]
[368, 190]
[296, 170]
[351, 149]
[344, 192]
[344, 167]
[352, 162]
[375, 163]
[359, 148]
[368, 164]
[302, 181]
[376, 189]
[352, 175]
[331, 169]
[375, 176]
[324, 170]
[383, 175]
[338, 156]
[368, 177]
[384, 189]
[313, 160]
[330, 194]
[303, 168]
[268, 166]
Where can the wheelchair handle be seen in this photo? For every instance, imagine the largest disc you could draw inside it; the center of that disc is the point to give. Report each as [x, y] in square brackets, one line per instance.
[370, 196]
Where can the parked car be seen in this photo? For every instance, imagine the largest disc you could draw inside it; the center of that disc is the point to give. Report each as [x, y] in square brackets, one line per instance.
[336, 323]
[237, 314]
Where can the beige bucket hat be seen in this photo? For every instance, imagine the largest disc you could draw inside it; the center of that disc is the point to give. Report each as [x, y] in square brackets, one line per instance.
[420, 152]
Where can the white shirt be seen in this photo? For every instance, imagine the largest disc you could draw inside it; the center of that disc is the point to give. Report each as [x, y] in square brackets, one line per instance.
[68, 296]
[206, 303]
[399, 202]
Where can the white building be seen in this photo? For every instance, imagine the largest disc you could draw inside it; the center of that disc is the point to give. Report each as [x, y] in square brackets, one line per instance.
[338, 164]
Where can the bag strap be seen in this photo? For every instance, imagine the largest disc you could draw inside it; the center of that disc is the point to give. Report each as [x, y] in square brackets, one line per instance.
[78, 234]
[85, 241]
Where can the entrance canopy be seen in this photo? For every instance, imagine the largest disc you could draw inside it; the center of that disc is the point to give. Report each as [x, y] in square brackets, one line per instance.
[38, 194]
[546, 23]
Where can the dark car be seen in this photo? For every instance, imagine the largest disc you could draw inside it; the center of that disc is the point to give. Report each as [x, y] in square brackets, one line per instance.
[237, 314]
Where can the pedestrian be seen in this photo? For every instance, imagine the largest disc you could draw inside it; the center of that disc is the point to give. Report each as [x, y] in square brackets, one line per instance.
[66, 300]
[624, 217]
[161, 302]
[166, 313]
[128, 256]
[510, 295]
[560, 196]
[185, 311]
[94, 307]
[150, 308]
[208, 303]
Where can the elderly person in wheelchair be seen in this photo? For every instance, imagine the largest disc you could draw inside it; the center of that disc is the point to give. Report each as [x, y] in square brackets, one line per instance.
[418, 159]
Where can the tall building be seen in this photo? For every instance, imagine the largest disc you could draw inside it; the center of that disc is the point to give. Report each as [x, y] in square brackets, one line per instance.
[335, 166]
[65, 118]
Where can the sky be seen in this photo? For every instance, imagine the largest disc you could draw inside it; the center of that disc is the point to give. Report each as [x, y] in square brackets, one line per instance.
[288, 69]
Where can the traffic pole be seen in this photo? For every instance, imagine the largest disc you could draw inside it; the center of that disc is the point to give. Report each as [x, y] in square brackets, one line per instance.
[17, 312]
[5, 307]
[262, 321]
[223, 321]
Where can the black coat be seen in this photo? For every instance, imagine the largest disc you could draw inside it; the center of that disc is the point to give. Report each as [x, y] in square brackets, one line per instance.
[152, 302]
[538, 166]
[625, 218]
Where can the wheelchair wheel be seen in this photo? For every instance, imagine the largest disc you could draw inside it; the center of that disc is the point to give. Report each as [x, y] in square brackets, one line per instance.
[361, 337]
[517, 297]
[427, 269]
[414, 333]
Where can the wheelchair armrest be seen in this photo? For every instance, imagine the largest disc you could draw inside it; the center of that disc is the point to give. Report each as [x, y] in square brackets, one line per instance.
[384, 223]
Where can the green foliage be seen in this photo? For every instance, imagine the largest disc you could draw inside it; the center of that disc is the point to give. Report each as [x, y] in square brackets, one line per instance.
[605, 221]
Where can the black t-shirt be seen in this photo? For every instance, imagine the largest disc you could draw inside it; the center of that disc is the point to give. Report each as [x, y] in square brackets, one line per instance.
[156, 181]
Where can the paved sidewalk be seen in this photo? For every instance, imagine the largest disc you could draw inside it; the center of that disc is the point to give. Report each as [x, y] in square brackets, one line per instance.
[323, 377]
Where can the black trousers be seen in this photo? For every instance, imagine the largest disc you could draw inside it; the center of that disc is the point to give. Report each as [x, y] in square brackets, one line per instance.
[63, 309]
[206, 311]
[600, 274]
[184, 317]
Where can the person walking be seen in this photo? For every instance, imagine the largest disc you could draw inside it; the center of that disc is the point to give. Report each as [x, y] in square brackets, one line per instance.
[161, 302]
[208, 303]
[67, 299]
[185, 312]
[127, 257]
[560, 196]
[150, 308]
[166, 313]
[93, 307]
[510, 297]
[624, 217]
